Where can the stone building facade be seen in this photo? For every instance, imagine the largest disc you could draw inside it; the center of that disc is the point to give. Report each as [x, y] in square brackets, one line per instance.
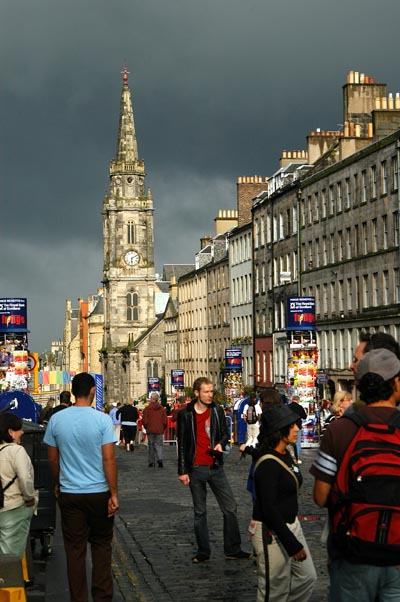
[241, 296]
[333, 230]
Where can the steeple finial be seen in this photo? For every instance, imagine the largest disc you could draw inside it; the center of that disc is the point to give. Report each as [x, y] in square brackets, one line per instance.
[125, 74]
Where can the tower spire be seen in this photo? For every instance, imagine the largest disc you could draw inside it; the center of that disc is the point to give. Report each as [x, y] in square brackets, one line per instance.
[127, 151]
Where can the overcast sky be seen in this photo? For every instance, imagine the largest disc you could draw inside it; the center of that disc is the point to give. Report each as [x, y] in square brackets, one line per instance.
[219, 89]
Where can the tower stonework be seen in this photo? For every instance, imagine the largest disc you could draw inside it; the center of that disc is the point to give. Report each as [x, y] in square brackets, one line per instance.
[128, 273]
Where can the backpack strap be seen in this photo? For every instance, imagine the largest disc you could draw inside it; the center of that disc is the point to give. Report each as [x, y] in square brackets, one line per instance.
[12, 480]
[362, 420]
[281, 462]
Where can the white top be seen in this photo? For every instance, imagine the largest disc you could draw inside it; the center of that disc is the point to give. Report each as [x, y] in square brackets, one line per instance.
[14, 460]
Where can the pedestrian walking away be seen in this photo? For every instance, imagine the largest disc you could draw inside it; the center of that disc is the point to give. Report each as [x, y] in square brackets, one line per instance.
[128, 415]
[155, 423]
[82, 461]
[202, 437]
[251, 414]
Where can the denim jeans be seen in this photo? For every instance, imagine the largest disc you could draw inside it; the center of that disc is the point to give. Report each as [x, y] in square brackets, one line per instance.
[298, 444]
[363, 582]
[216, 478]
[155, 447]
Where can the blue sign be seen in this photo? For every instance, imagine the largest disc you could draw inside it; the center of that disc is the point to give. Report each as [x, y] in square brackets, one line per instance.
[301, 313]
[13, 315]
[21, 404]
[177, 378]
[98, 378]
[153, 384]
[233, 359]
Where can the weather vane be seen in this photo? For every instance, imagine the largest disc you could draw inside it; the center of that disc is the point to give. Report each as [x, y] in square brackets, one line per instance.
[125, 74]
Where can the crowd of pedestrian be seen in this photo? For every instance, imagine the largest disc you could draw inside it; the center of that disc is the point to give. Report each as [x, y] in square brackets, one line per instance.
[356, 472]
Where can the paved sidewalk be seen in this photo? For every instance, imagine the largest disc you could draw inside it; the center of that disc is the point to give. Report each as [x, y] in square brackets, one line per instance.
[154, 538]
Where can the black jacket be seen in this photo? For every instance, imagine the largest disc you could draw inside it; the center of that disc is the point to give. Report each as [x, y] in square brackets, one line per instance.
[128, 413]
[186, 434]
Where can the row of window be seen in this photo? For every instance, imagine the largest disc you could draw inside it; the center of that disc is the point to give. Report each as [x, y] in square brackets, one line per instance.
[240, 248]
[332, 200]
[241, 326]
[336, 347]
[357, 293]
[354, 294]
[377, 234]
[196, 351]
[241, 290]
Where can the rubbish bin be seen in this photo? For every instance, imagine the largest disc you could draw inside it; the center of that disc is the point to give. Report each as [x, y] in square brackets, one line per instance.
[44, 522]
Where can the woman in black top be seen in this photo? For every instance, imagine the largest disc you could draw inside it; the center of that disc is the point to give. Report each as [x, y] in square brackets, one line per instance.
[285, 569]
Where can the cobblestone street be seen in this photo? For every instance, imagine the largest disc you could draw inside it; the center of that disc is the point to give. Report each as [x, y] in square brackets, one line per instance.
[154, 538]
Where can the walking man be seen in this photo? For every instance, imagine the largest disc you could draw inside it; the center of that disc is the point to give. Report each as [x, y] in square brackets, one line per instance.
[155, 423]
[82, 462]
[202, 437]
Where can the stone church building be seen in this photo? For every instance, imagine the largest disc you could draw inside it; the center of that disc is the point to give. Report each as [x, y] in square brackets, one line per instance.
[132, 349]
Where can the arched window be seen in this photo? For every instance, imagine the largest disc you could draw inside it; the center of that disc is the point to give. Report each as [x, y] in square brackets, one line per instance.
[131, 232]
[132, 306]
[155, 369]
[149, 369]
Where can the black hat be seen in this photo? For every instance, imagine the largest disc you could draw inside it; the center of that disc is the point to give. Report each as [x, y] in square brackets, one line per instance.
[276, 418]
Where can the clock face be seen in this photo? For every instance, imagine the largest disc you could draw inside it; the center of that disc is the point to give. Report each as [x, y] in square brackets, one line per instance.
[131, 258]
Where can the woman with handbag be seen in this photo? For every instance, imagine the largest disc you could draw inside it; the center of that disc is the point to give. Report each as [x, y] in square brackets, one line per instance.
[19, 497]
[286, 571]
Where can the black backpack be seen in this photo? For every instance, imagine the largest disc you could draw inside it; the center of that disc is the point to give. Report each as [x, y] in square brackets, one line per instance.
[3, 489]
[251, 415]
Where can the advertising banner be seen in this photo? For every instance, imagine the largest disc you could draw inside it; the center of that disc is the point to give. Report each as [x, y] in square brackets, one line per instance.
[302, 373]
[13, 315]
[301, 313]
[178, 378]
[99, 390]
[33, 372]
[233, 359]
[233, 383]
[153, 384]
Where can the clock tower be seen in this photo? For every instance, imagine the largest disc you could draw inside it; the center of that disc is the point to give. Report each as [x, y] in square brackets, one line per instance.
[128, 273]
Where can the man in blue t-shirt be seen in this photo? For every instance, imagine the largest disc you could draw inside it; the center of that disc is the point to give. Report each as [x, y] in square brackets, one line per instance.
[82, 462]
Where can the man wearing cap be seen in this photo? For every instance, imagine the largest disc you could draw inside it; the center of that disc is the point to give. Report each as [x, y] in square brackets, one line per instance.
[378, 374]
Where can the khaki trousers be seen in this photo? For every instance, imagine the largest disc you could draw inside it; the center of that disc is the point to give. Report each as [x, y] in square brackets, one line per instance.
[280, 578]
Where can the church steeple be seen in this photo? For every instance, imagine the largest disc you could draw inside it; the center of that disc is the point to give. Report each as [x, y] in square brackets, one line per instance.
[127, 151]
[128, 273]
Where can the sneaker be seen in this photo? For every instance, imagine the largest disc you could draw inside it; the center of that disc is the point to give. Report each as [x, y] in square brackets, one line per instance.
[151, 465]
[132, 447]
[160, 464]
[299, 461]
[241, 555]
[199, 558]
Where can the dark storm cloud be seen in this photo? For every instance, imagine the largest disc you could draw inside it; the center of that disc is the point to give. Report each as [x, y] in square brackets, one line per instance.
[219, 87]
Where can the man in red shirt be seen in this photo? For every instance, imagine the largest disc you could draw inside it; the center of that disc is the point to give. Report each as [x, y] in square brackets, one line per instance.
[202, 437]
